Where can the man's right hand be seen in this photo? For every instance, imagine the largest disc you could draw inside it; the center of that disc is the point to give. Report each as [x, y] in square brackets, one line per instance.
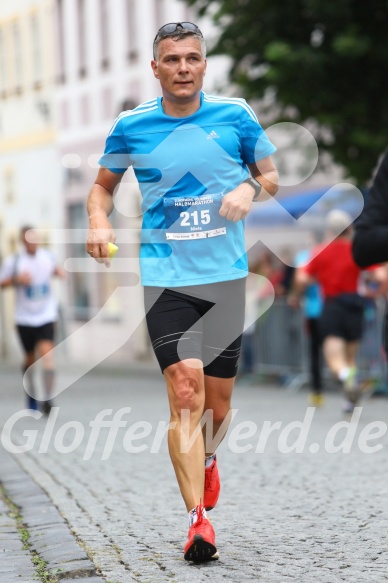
[100, 205]
[23, 278]
[99, 235]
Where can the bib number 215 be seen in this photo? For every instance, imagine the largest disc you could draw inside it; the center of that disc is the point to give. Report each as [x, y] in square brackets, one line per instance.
[195, 218]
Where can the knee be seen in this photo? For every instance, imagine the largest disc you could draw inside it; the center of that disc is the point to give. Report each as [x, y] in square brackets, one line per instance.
[45, 351]
[220, 412]
[47, 361]
[186, 388]
[29, 360]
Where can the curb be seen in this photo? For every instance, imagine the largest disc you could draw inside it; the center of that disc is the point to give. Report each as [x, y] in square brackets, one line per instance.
[50, 541]
[147, 368]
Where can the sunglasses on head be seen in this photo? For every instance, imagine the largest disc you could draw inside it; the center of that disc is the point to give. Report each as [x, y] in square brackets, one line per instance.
[171, 27]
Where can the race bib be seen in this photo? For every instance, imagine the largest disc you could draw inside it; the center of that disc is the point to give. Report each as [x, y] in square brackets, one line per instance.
[37, 292]
[194, 217]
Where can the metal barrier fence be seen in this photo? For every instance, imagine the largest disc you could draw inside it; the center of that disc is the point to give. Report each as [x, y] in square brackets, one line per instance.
[281, 345]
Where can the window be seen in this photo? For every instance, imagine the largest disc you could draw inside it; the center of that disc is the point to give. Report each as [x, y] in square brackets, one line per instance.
[80, 299]
[9, 184]
[104, 24]
[36, 52]
[85, 110]
[61, 43]
[107, 103]
[64, 115]
[159, 14]
[3, 64]
[81, 38]
[131, 31]
[17, 52]
[13, 243]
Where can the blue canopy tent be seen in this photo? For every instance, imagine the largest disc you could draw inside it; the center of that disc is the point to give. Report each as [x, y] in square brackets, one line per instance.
[283, 210]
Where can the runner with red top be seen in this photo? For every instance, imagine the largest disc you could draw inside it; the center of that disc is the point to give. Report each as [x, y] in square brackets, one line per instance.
[341, 322]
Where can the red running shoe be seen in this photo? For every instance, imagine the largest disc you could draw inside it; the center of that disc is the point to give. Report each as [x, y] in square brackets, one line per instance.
[201, 544]
[212, 486]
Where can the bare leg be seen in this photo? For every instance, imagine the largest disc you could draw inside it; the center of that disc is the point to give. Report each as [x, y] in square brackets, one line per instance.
[45, 348]
[351, 353]
[186, 391]
[29, 359]
[218, 394]
[334, 350]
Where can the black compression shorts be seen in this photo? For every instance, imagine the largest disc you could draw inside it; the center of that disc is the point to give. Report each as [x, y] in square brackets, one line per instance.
[203, 322]
[31, 335]
[343, 317]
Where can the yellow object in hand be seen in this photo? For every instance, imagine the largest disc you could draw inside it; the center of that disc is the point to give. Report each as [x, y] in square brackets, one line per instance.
[112, 249]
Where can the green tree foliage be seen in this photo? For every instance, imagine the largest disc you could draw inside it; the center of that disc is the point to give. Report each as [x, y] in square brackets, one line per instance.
[325, 61]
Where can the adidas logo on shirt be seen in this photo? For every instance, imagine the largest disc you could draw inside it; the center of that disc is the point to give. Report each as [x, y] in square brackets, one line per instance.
[212, 135]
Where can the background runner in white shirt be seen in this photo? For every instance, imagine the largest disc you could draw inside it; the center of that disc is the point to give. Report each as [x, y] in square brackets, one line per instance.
[36, 309]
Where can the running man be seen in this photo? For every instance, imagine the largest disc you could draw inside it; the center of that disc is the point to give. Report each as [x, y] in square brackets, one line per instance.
[191, 153]
[36, 310]
[342, 318]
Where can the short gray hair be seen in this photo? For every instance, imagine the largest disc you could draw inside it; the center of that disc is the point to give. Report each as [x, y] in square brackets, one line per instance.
[179, 35]
[338, 221]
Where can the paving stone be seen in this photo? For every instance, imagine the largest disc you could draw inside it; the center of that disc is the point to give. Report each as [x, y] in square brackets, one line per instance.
[86, 580]
[282, 516]
[62, 555]
[10, 546]
[77, 568]
[43, 544]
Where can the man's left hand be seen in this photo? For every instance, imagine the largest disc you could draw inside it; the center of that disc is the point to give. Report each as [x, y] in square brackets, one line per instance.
[236, 204]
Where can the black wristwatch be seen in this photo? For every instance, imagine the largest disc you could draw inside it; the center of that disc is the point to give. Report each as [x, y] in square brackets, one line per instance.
[256, 185]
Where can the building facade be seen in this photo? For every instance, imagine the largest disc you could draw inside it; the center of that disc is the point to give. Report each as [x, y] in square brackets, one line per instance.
[68, 69]
[30, 191]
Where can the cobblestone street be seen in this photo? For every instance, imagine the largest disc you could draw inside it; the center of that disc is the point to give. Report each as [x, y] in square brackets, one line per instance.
[315, 514]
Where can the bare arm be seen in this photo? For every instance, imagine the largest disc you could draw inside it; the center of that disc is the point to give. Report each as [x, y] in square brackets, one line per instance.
[379, 277]
[237, 203]
[20, 279]
[59, 272]
[24, 278]
[99, 207]
[264, 171]
[9, 277]
[301, 280]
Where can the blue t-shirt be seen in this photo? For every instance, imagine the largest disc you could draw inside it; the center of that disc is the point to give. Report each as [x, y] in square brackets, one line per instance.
[184, 167]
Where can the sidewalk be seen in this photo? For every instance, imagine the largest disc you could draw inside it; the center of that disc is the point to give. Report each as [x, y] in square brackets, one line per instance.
[35, 541]
[104, 505]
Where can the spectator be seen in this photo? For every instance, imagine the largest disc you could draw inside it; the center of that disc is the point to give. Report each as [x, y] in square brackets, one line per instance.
[258, 298]
[312, 309]
[370, 243]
